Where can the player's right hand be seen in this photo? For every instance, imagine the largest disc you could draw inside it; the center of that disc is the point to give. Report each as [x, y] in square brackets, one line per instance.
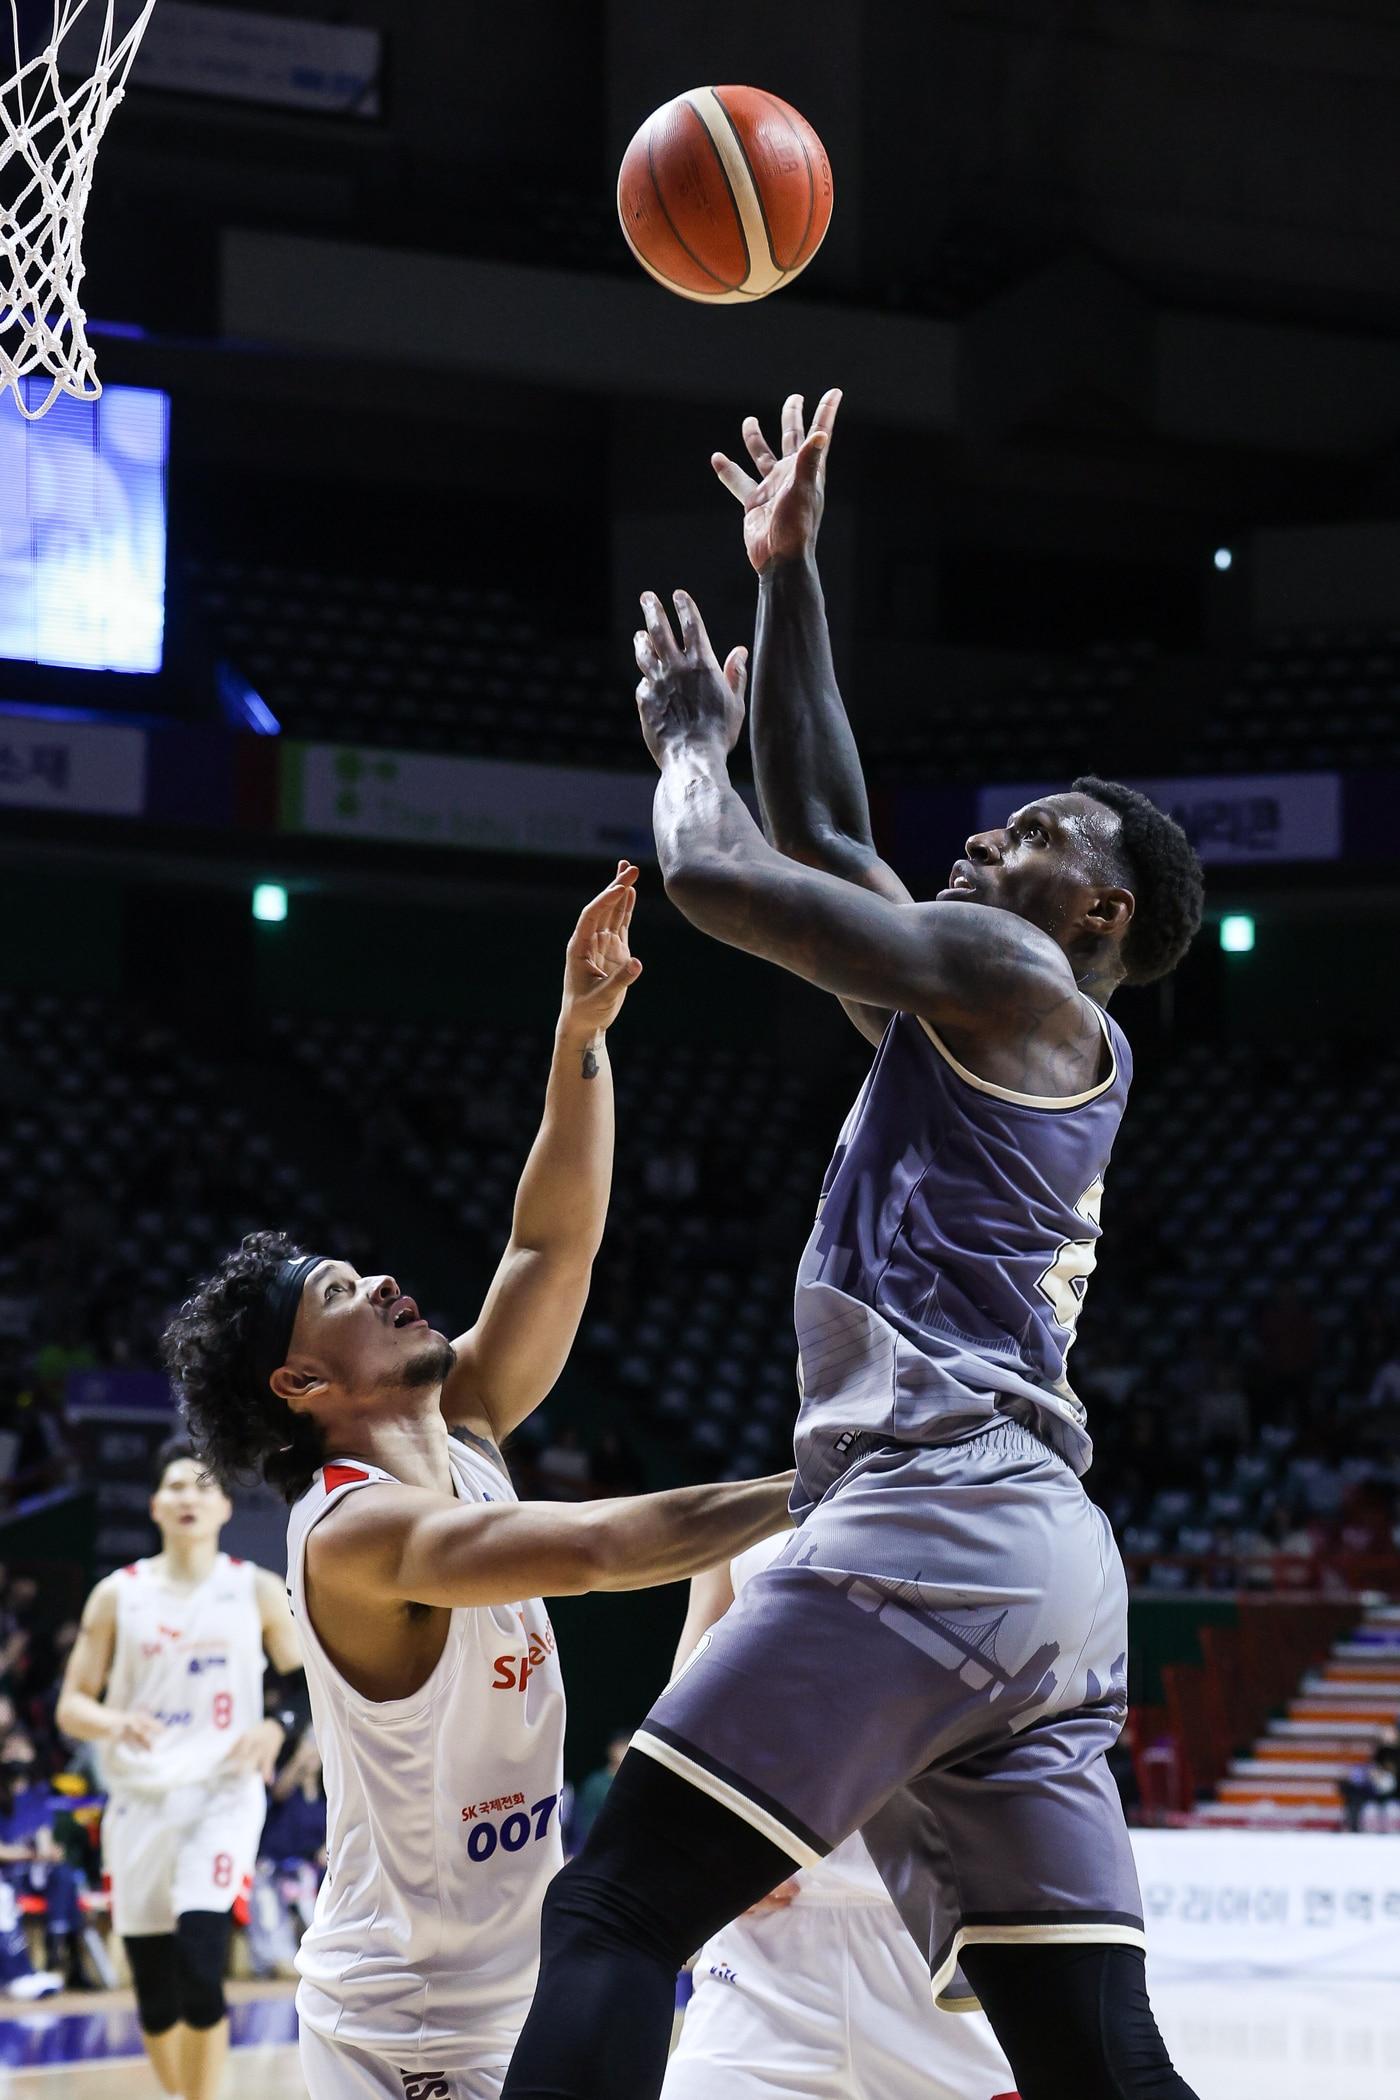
[783, 508]
[136, 1729]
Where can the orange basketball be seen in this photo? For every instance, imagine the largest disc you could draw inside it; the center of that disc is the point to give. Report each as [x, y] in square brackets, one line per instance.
[725, 194]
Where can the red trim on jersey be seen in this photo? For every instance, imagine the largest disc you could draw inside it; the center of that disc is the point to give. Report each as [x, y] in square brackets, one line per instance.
[336, 1476]
[130, 1568]
[234, 1561]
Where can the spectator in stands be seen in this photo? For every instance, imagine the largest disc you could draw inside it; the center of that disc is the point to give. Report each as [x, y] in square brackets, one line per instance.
[1375, 1784]
[594, 1791]
[1221, 1404]
[32, 1863]
[1384, 1388]
[295, 1830]
[562, 1468]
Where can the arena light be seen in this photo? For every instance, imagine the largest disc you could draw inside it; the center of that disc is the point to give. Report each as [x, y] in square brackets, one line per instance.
[1224, 559]
[1237, 933]
[270, 903]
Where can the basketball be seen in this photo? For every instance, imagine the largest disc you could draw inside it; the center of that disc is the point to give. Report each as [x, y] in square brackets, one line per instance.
[725, 194]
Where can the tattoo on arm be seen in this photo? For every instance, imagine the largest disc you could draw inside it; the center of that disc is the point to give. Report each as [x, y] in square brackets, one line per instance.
[590, 1062]
[483, 1444]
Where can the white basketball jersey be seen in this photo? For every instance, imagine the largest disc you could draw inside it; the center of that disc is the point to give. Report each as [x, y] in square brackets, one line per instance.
[443, 1819]
[194, 1659]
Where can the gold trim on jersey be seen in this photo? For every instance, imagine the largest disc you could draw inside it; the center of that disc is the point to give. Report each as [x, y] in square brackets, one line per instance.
[720, 1790]
[1006, 1093]
[1087, 1934]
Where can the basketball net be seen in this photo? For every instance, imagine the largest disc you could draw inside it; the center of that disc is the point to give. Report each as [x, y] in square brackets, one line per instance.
[49, 136]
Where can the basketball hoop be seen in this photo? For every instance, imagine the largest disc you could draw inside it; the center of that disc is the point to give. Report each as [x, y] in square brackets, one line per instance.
[50, 130]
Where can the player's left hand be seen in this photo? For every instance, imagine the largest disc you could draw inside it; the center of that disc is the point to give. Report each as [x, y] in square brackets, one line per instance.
[257, 1750]
[599, 966]
[684, 697]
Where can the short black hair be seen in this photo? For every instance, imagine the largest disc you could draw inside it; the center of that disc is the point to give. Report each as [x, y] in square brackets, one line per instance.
[239, 1427]
[1160, 867]
[169, 1454]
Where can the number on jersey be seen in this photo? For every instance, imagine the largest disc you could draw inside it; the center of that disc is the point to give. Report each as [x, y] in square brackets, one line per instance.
[1067, 1278]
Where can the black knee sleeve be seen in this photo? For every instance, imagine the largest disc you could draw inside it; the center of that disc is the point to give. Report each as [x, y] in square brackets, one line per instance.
[663, 1868]
[201, 1955]
[151, 1959]
[1074, 2020]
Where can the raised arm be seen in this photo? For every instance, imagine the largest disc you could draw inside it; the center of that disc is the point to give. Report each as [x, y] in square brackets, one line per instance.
[404, 1544]
[811, 787]
[510, 1359]
[982, 974]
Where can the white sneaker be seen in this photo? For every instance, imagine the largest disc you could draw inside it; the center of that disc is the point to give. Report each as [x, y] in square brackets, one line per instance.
[40, 1983]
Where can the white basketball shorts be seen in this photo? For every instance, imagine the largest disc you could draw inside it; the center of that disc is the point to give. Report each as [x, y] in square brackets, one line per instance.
[193, 1848]
[348, 2071]
[826, 2000]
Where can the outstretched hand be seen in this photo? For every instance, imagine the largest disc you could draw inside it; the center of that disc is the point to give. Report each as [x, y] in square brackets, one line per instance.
[684, 697]
[783, 508]
[599, 966]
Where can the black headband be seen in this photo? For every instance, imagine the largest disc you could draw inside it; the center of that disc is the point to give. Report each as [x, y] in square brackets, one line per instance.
[270, 1328]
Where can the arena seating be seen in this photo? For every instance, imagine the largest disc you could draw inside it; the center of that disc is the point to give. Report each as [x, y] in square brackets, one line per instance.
[125, 1166]
[1310, 697]
[1283, 1171]
[1214, 1384]
[424, 665]
[691, 1305]
[415, 665]
[1285, 1709]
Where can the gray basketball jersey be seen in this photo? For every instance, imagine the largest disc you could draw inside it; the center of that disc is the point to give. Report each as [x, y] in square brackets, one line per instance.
[957, 1229]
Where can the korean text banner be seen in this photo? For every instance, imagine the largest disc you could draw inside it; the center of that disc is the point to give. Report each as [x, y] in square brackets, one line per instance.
[1310, 1903]
[87, 768]
[1254, 819]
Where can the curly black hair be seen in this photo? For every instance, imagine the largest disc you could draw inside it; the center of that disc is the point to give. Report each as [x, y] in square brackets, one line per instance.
[239, 1427]
[1159, 865]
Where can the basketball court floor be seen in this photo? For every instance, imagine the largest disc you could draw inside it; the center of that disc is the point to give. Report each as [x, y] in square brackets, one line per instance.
[1233, 2037]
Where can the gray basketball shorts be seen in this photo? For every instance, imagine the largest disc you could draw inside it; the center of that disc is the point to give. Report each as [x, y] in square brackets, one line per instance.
[938, 1659]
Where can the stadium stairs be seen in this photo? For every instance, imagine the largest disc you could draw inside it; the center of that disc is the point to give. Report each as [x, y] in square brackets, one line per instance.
[1308, 1685]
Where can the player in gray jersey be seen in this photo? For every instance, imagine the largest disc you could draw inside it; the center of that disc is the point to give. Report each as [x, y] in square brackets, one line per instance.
[937, 1656]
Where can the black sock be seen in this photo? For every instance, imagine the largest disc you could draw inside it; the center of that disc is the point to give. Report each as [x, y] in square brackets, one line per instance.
[1074, 2021]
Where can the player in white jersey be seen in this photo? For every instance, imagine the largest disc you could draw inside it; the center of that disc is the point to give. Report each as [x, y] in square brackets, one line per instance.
[819, 1992]
[166, 1675]
[415, 1577]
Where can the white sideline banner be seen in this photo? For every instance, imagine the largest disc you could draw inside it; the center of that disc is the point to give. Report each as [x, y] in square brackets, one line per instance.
[490, 805]
[1305, 1903]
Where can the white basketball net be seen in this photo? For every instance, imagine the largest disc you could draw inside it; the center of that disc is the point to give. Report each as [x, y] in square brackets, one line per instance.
[49, 135]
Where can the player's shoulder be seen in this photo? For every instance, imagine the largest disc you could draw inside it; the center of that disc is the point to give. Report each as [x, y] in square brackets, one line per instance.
[104, 1596]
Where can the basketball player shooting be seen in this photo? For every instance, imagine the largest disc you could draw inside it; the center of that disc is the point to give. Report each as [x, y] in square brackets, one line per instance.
[166, 1676]
[937, 1656]
[415, 1578]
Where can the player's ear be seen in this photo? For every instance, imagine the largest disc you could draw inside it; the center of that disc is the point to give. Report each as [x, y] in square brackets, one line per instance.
[298, 1389]
[1110, 911]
